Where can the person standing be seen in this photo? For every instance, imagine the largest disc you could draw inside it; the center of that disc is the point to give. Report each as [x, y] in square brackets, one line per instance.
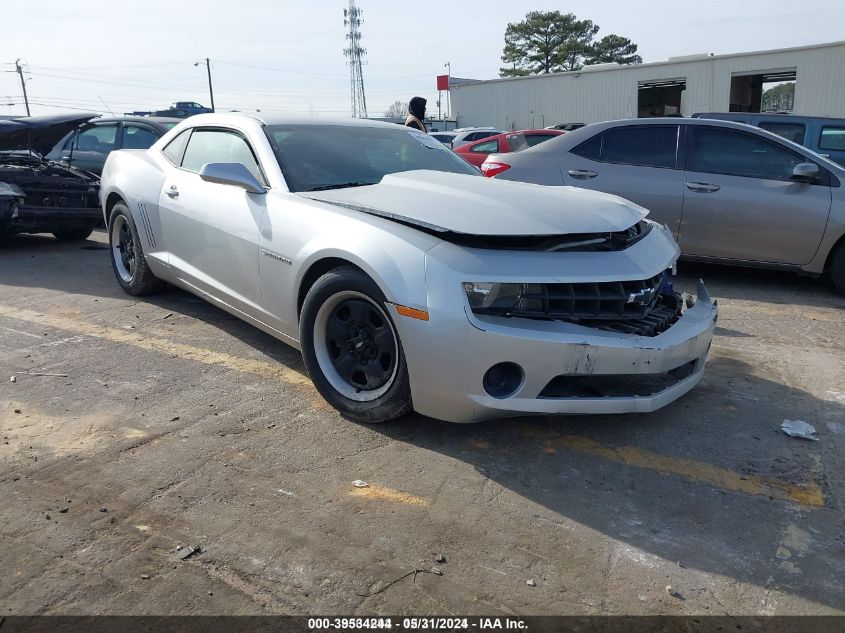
[416, 114]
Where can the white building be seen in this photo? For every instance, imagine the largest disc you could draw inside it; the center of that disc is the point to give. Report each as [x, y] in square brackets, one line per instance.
[681, 85]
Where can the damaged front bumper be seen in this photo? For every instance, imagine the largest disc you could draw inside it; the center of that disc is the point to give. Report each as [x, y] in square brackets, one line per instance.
[566, 368]
[25, 218]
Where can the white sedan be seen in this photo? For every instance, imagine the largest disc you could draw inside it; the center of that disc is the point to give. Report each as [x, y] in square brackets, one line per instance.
[408, 280]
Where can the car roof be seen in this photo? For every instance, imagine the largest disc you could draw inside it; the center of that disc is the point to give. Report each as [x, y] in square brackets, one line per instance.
[234, 118]
[776, 115]
[155, 120]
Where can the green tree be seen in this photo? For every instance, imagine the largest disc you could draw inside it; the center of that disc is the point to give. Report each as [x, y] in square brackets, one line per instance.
[613, 48]
[551, 41]
[779, 98]
[546, 42]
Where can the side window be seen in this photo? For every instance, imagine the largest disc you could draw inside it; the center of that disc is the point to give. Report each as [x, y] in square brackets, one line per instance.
[536, 139]
[832, 137]
[487, 147]
[98, 138]
[724, 151]
[790, 131]
[219, 146]
[590, 149]
[137, 137]
[175, 149]
[517, 142]
[646, 145]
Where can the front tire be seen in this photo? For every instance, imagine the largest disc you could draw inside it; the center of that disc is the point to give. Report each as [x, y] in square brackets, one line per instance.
[127, 255]
[73, 233]
[351, 348]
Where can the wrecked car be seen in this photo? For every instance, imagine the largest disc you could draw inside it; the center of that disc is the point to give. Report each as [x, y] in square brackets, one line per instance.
[407, 280]
[38, 195]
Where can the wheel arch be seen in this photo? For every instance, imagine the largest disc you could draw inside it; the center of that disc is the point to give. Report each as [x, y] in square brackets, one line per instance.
[397, 277]
[112, 199]
[837, 245]
[316, 270]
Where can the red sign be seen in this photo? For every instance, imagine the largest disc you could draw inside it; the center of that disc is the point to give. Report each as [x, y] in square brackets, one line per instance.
[442, 82]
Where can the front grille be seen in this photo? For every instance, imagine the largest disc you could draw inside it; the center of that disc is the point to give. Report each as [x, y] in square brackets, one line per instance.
[615, 385]
[590, 300]
[661, 318]
[641, 307]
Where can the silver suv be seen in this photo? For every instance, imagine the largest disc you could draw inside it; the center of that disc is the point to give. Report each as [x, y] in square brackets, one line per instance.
[729, 192]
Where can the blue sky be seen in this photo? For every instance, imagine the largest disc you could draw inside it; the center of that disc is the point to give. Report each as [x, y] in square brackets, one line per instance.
[287, 56]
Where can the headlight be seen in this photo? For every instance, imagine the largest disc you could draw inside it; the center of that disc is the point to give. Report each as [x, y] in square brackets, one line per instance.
[501, 298]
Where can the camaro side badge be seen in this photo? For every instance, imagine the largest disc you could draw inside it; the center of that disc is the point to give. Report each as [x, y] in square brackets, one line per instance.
[276, 257]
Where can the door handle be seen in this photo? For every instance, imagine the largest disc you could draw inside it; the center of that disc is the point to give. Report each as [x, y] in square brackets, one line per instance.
[702, 187]
[173, 192]
[582, 174]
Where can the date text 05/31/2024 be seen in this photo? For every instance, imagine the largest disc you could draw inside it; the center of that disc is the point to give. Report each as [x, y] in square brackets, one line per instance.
[416, 624]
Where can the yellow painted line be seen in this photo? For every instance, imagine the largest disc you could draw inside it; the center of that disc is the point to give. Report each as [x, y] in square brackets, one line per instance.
[389, 494]
[266, 369]
[808, 493]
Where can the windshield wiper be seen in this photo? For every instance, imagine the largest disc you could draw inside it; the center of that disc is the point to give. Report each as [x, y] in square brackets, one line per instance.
[342, 185]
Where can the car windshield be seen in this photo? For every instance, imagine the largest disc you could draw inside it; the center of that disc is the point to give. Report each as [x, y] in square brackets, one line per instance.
[318, 157]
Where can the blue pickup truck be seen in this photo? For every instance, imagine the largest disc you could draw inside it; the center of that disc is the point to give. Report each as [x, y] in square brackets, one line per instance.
[822, 135]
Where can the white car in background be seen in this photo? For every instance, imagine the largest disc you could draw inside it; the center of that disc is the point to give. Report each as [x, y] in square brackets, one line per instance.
[407, 279]
[466, 135]
[444, 137]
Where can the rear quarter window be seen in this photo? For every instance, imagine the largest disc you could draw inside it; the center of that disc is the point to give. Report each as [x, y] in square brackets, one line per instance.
[175, 149]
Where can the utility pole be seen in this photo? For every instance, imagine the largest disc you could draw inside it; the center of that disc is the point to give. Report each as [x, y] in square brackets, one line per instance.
[23, 84]
[207, 64]
[448, 67]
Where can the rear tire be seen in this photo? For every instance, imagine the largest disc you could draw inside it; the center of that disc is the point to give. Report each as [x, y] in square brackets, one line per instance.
[837, 268]
[351, 348]
[73, 233]
[127, 255]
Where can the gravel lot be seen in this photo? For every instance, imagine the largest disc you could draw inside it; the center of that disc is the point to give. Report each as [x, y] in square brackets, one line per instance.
[134, 427]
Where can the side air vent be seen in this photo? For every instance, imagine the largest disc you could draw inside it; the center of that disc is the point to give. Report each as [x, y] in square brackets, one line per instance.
[145, 221]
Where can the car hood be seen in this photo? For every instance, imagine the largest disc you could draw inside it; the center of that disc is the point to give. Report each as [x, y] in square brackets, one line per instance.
[473, 205]
[38, 133]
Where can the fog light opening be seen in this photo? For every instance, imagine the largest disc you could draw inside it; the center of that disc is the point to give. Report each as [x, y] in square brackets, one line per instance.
[503, 380]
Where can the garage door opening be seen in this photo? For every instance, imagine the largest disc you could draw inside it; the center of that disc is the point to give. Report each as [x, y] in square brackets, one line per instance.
[763, 92]
[660, 98]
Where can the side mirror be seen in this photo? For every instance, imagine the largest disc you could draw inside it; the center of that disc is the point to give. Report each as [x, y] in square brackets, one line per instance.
[805, 172]
[231, 174]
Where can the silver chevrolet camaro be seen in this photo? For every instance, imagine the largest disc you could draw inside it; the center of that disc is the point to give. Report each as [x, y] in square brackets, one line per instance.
[408, 280]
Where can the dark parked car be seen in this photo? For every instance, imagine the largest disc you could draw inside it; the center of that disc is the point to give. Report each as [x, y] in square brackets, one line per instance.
[38, 195]
[88, 147]
[822, 135]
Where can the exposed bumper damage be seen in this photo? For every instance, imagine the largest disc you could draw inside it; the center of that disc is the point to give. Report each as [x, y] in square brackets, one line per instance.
[556, 366]
[42, 197]
[38, 195]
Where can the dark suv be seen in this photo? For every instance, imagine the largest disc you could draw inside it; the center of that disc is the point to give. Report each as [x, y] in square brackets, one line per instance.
[822, 135]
